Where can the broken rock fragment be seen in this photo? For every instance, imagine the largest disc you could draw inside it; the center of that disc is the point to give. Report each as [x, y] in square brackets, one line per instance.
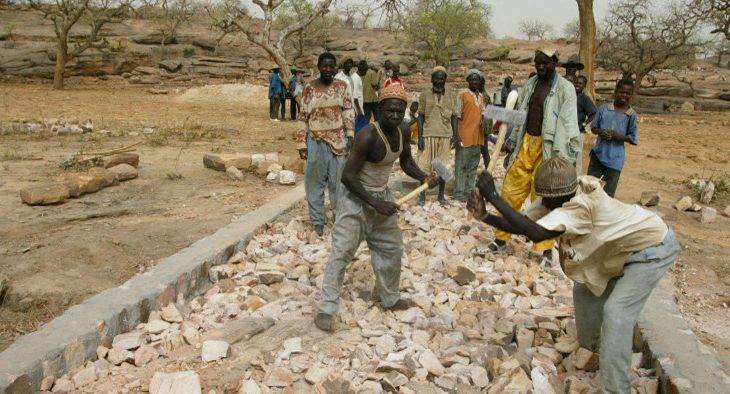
[214, 350]
[124, 172]
[186, 382]
[45, 194]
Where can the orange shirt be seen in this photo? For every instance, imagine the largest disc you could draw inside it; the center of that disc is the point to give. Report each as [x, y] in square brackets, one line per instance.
[469, 112]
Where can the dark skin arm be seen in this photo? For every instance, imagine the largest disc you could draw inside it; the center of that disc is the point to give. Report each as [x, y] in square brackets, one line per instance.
[365, 145]
[455, 139]
[610, 134]
[511, 220]
[409, 166]
[421, 121]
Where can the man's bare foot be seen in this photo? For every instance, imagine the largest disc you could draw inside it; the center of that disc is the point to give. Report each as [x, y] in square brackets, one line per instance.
[402, 305]
[324, 322]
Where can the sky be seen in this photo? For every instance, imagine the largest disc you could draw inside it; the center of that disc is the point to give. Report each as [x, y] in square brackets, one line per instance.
[507, 14]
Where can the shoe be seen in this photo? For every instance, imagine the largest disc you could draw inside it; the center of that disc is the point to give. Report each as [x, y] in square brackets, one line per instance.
[443, 202]
[276, 120]
[421, 200]
[324, 322]
[492, 247]
[319, 230]
[402, 305]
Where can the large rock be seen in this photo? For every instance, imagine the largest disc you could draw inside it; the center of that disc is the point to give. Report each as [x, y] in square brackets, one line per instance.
[122, 158]
[170, 65]
[295, 165]
[683, 203]
[214, 350]
[153, 39]
[130, 340]
[220, 162]
[124, 172]
[649, 199]
[707, 192]
[287, 178]
[708, 215]
[186, 382]
[44, 194]
[91, 181]
[431, 363]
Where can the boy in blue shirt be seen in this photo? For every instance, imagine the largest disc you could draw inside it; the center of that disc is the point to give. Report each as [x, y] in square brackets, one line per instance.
[615, 124]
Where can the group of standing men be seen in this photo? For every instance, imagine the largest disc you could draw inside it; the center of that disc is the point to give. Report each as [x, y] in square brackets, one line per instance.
[615, 252]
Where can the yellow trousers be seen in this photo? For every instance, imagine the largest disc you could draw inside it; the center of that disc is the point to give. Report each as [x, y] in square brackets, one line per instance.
[519, 183]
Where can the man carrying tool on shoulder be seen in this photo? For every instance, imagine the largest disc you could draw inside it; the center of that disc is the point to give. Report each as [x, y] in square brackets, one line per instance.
[550, 130]
[366, 208]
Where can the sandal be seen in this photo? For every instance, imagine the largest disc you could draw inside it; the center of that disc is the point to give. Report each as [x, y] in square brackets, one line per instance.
[492, 247]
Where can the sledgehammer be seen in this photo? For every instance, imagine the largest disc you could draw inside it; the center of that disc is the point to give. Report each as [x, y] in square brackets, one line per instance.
[440, 169]
[507, 116]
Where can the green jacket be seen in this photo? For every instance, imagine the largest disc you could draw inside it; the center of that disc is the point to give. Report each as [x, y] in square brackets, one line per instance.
[560, 132]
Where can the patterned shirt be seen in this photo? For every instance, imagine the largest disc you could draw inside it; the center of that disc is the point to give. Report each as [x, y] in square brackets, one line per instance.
[326, 115]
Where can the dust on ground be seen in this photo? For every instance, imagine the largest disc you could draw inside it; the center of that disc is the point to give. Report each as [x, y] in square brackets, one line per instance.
[60, 255]
[57, 256]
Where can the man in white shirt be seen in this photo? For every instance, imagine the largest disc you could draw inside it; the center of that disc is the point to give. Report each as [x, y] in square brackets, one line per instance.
[615, 252]
[355, 86]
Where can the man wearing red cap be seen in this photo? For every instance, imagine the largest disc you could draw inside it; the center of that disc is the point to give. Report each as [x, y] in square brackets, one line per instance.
[366, 208]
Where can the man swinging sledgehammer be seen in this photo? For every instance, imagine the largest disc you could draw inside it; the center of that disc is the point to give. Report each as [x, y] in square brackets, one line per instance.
[615, 252]
[366, 208]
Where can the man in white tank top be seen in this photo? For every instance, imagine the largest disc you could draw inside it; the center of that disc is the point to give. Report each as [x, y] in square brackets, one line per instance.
[366, 208]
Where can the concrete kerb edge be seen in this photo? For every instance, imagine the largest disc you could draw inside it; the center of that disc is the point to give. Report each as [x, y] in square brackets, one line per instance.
[683, 363]
[72, 338]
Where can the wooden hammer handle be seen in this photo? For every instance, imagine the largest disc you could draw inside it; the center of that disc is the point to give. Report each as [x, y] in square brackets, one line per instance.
[412, 194]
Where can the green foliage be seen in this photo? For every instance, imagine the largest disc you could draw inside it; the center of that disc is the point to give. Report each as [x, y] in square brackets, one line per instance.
[292, 11]
[118, 47]
[188, 52]
[444, 25]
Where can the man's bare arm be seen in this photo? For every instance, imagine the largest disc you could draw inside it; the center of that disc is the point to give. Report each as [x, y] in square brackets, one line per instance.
[407, 164]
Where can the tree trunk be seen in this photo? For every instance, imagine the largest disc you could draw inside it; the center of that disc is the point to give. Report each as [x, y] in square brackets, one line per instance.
[637, 86]
[61, 59]
[587, 43]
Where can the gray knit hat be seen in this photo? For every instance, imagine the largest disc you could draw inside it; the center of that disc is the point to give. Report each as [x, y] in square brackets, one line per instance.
[555, 177]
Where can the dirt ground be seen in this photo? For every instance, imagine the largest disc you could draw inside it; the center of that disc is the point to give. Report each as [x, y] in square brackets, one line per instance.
[57, 256]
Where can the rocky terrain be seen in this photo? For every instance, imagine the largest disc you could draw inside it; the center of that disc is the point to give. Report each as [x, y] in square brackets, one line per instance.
[495, 324]
[136, 56]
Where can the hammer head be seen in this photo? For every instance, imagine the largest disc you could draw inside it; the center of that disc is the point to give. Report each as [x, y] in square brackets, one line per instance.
[504, 114]
[441, 169]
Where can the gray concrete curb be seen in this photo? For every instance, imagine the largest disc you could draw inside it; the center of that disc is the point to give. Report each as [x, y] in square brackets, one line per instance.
[683, 363]
[69, 340]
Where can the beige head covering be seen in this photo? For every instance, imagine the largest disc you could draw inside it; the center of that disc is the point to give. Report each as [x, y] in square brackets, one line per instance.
[549, 52]
[555, 177]
[439, 68]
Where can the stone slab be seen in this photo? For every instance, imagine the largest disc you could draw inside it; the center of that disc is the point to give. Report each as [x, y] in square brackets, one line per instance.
[684, 364]
[117, 310]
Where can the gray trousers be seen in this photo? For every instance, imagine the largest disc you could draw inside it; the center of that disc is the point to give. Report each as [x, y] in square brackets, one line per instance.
[465, 170]
[324, 170]
[611, 317]
[358, 221]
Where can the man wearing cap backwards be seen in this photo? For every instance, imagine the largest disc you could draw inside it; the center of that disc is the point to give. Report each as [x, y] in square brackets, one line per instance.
[325, 131]
[573, 65]
[366, 208]
[615, 252]
[551, 130]
[437, 129]
[470, 135]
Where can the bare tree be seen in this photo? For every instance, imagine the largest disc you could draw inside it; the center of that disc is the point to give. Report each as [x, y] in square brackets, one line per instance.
[571, 30]
[535, 29]
[639, 38]
[718, 12]
[587, 54]
[65, 14]
[169, 15]
[237, 20]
